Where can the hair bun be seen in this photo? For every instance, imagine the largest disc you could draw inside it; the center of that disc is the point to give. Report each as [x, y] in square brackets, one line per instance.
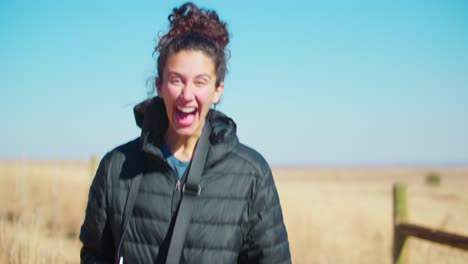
[189, 18]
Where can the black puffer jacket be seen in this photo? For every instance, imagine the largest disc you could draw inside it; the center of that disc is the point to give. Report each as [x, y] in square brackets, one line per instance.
[237, 217]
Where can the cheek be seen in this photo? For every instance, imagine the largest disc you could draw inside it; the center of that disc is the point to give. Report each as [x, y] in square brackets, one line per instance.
[203, 96]
[171, 92]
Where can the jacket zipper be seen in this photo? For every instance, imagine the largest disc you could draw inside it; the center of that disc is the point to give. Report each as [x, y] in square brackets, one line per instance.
[176, 191]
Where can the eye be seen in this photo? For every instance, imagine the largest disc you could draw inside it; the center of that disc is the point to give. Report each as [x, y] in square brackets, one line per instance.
[175, 81]
[200, 83]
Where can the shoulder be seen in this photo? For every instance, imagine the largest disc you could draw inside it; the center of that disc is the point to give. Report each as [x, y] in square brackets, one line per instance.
[125, 150]
[251, 159]
[121, 156]
[130, 147]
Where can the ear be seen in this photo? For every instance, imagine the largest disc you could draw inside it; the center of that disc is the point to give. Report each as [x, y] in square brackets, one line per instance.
[158, 84]
[218, 92]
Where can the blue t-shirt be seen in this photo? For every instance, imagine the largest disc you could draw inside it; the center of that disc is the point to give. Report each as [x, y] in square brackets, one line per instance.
[178, 166]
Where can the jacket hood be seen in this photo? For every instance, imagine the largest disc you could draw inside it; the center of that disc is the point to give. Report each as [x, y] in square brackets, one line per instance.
[151, 117]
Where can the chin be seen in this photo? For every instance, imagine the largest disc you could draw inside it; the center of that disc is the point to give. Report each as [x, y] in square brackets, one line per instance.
[185, 131]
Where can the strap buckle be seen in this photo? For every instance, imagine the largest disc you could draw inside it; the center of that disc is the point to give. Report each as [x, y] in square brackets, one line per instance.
[191, 190]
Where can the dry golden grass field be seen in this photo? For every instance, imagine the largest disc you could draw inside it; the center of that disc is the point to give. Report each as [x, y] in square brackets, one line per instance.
[333, 215]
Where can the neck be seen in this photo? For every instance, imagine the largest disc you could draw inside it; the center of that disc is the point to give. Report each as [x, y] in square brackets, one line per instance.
[182, 147]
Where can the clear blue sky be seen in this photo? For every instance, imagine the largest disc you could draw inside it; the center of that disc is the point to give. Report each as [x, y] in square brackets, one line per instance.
[314, 83]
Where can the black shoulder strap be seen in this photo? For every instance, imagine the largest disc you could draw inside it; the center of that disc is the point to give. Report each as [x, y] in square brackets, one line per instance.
[191, 190]
[132, 194]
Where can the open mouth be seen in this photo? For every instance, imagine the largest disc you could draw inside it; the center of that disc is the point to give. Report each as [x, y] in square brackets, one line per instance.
[185, 116]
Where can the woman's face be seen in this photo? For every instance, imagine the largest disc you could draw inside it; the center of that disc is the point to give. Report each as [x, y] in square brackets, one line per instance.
[188, 90]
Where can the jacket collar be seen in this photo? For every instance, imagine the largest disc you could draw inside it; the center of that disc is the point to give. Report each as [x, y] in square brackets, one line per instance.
[151, 117]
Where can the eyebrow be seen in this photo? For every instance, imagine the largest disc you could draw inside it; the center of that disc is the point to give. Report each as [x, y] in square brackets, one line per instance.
[174, 73]
[206, 75]
[203, 75]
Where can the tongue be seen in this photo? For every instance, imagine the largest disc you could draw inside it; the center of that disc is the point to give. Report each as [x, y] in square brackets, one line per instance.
[185, 119]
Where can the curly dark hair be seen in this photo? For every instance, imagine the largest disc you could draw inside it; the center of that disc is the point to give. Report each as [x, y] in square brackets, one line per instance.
[193, 28]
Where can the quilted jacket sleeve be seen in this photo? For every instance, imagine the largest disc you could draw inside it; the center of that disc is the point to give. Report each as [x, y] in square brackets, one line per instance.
[98, 245]
[267, 240]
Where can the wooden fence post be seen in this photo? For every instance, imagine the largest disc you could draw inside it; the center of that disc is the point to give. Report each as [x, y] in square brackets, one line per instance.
[400, 214]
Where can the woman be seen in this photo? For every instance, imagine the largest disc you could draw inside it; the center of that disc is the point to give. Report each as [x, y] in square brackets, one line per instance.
[234, 216]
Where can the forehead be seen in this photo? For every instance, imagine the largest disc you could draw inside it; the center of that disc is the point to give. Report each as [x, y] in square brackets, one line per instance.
[190, 63]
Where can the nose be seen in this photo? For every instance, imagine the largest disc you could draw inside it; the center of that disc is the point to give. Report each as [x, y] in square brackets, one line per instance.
[188, 92]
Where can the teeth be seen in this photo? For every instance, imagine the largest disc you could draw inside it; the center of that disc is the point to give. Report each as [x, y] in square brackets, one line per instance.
[186, 110]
